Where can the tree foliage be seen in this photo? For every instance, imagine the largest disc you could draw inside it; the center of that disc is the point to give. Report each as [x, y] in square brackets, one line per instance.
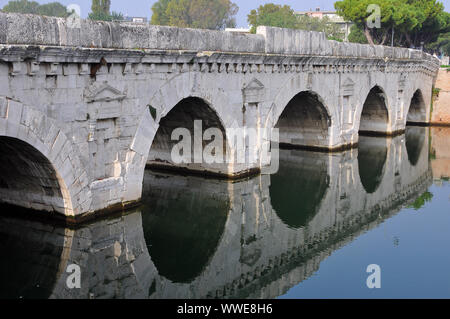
[272, 15]
[357, 35]
[203, 14]
[101, 11]
[412, 22]
[159, 16]
[442, 44]
[332, 30]
[101, 6]
[422, 200]
[53, 9]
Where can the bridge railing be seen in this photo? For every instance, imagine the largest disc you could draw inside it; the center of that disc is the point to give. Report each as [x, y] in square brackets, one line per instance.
[27, 29]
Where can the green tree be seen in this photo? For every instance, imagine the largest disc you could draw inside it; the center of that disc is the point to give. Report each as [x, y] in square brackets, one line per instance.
[101, 6]
[422, 200]
[412, 22]
[204, 14]
[272, 15]
[117, 16]
[159, 16]
[357, 35]
[100, 10]
[21, 6]
[53, 9]
[442, 44]
[332, 30]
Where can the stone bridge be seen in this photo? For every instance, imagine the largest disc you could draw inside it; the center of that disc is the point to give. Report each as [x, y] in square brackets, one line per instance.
[85, 106]
[257, 242]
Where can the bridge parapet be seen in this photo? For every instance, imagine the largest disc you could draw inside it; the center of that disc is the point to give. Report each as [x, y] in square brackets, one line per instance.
[26, 29]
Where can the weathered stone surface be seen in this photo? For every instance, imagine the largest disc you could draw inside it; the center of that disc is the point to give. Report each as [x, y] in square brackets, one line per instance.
[91, 97]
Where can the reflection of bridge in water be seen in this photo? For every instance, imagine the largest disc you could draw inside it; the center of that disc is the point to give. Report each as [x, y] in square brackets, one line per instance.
[197, 238]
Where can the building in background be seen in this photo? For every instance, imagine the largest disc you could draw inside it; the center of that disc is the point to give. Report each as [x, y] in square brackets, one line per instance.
[332, 16]
[136, 19]
[238, 30]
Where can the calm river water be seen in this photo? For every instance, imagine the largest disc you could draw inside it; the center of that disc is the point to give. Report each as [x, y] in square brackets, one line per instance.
[309, 231]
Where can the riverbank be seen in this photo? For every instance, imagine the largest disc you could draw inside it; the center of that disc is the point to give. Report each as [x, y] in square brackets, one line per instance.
[441, 103]
[440, 152]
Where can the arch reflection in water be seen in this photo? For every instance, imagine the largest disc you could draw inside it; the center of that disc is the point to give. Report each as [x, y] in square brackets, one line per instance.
[250, 251]
[372, 156]
[299, 186]
[415, 140]
[183, 219]
[30, 258]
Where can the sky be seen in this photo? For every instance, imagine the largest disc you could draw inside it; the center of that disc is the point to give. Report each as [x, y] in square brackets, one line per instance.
[142, 7]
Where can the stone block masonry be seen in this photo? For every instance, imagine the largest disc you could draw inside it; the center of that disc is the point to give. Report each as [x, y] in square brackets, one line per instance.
[441, 104]
[91, 97]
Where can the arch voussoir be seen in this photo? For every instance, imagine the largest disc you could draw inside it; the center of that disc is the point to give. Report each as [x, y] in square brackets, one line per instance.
[30, 126]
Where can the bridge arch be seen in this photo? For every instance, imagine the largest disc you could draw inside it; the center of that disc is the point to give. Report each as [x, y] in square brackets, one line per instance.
[288, 114]
[36, 156]
[375, 114]
[305, 122]
[417, 110]
[194, 116]
[185, 87]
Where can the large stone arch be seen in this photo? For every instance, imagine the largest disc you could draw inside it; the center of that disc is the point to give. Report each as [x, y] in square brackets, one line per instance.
[416, 111]
[163, 100]
[374, 112]
[300, 84]
[43, 136]
[422, 85]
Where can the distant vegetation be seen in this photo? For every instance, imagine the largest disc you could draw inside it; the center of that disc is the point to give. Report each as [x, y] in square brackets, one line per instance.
[53, 9]
[101, 11]
[275, 15]
[203, 14]
[422, 200]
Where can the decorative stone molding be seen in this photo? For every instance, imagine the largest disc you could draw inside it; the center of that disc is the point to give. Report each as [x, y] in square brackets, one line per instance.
[348, 88]
[254, 92]
[103, 93]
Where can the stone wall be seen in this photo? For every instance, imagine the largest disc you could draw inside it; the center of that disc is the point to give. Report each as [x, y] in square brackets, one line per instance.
[441, 104]
[50, 31]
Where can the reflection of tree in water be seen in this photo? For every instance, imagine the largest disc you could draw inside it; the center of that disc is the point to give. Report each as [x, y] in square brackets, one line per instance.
[422, 200]
[415, 140]
[182, 225]
[30, 259]
[298, 188]
[372, 156]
